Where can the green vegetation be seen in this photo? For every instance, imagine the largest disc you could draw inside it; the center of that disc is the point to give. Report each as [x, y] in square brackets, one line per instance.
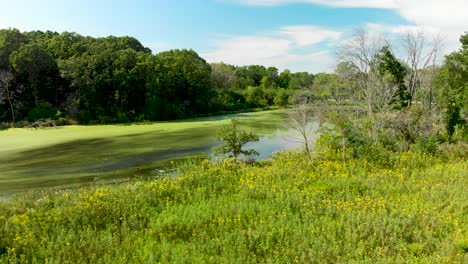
[294, 210]
[385, 183]
[79, 155]
[72, 78]
[234, 141]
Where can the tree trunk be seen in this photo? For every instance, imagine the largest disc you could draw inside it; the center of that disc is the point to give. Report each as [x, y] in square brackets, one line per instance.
[307, 147]
[11, 104]
[343, 142]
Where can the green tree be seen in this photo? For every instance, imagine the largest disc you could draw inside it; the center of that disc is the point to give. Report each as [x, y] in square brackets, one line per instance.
[301, 80]
[272, 73]
[182, 78]
[348, 76]
[387, 63]
[10, 41]
[266, 83]
[452, 82]
[256, 95]
[109, 78]
[284, 78]
[452, 119]
[66, 45]
[129, 81]
[281, 98]
[234, 140]
[36, 68]
[328, 85]
[223, 76]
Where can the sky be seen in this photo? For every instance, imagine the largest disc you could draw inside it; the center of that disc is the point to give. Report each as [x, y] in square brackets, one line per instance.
[300, 35]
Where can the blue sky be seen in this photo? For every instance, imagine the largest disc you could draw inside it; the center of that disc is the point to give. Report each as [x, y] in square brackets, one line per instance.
[301, 35]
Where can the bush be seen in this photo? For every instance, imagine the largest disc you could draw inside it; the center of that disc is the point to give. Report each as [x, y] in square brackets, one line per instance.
[457, 151]
[65, 121]
[6, 125]
[452, 119]
[107, 120]
[122, 118]
[427, 145]
[44, 111]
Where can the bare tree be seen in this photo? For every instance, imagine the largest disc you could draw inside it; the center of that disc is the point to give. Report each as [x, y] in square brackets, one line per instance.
[378, 91]
[10, 92]
[300, 120]
[421, 51]
[361, 51]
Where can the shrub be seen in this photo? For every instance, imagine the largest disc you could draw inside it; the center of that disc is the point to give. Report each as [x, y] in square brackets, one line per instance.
[44, 111]
[65, 121]
[234, 141]
[457, 151]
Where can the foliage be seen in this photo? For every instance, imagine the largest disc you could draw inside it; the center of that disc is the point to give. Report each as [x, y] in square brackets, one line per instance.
[452, 119]
[118, 79]
[43, 111]
[281, 98]
[234, 140]
[301, 80]
[294, 210]
[223, 75]
[409, 125]
[181, 78]
[387, 63]
[257, 96]
[10, 41]
[452, 82]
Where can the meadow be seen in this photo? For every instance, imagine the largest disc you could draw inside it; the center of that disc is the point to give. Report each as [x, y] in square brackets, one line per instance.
[291, 209]
[101, 154]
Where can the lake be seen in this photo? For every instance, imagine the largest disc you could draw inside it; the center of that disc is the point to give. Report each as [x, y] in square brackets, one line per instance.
[76, 156]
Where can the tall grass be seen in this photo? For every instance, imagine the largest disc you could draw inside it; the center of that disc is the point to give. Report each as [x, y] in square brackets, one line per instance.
[294, 210]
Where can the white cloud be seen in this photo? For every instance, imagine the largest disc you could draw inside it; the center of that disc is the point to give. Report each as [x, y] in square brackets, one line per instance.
[446, 17]
[398, 30]
[283, 48]
[309, 35]
[334, 3]
[443, 18]
[243, 50]
[435, 12]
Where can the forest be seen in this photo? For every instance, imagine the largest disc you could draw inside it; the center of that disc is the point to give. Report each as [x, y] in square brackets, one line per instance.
[73, 78]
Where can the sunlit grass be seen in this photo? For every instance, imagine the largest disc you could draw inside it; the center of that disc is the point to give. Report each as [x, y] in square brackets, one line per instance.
[295, 210]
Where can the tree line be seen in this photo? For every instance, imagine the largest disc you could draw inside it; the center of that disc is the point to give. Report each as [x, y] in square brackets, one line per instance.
[67, 76]
[50, 75]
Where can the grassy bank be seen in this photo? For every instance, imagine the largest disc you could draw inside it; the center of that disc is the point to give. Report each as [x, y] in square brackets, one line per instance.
[80, 155]
[291, 211]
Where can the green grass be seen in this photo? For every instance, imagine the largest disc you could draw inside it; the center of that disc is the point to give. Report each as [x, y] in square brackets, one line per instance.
[81, 155]
[294, 210]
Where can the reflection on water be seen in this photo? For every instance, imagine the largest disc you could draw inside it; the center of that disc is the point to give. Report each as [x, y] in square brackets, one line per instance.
[280, 140]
